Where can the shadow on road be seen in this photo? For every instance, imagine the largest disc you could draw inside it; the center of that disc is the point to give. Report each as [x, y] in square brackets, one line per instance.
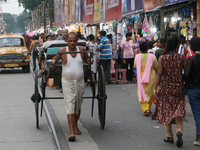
[11, 71]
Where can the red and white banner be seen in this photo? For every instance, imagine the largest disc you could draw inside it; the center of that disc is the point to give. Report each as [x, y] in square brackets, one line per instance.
[88, 12]
[112, 10]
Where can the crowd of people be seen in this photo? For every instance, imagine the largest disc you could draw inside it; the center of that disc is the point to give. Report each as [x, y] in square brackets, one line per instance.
[163, 76]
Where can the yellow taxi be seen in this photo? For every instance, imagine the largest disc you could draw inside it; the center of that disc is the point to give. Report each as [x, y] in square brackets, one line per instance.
[13, 52]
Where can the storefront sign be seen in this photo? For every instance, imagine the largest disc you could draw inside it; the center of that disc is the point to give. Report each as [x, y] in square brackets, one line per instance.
[169, 2]
[151, 4]
[112, 10]
[97, 7]
[88, 16]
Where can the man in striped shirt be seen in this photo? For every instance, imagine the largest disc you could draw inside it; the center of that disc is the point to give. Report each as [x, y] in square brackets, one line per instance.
[105, 54]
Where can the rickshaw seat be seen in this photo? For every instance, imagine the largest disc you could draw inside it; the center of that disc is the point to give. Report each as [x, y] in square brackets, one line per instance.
[52, 51]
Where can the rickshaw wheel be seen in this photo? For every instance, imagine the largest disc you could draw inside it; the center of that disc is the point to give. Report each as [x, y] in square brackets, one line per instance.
[36, 100]
[101, 97]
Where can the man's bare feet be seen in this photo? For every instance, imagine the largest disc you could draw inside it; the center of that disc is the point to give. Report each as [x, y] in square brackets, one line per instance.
[77, 131]
[72, 138]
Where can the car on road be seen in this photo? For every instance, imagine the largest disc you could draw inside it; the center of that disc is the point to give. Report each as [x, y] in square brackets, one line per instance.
[13, 52]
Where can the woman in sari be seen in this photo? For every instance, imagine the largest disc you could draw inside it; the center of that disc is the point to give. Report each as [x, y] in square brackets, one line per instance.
[146, 65]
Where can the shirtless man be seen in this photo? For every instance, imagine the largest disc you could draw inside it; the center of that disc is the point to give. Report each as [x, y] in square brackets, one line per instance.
[72, 81]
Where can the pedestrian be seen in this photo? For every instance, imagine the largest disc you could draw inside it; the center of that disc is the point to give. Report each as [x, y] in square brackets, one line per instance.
[49, 37]
[146, 65]
[105, 55]
[72, 81]
[64, 35]
[33, 50]
[193, 72]
[95, 57]
[170, 106]
[195, 32]
[128, 54]
[161, 44]
[150, 47]
[112, 67]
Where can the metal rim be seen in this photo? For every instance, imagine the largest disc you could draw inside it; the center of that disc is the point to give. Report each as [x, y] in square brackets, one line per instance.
[101, 97]
[36, 100]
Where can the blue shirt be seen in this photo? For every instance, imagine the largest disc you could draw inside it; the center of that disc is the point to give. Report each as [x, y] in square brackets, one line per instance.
[106, 52]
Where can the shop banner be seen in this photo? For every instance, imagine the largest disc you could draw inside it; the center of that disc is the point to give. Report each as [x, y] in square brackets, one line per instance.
[169, 2]
[81, 13]
[102, 10]
[62, 21]
[112, 10]
[97, 7]
[151, 4]
[59, 13]
[138, 4]
[66, 11]
[77, 11]
[88, 15]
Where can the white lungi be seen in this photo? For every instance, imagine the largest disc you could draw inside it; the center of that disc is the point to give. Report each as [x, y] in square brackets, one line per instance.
[73, 91]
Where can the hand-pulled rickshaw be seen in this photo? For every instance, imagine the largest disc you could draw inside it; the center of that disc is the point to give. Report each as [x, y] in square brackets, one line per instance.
[46, 53]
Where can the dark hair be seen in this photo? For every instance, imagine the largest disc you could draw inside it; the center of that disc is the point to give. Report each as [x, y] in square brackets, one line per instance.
[91, 37]
[163, 41]
[143, 46]
[172, 44]
[195, 29]
[103, 33]
[109, 36]
[150, 44]
[33, 37]
[78, 34]
[71, 33]
[49, 36]
[195, 46]
[128, 34]
[36, 37]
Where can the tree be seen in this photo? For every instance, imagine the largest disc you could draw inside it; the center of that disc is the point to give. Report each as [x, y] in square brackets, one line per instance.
[30, 4]
[10, 22]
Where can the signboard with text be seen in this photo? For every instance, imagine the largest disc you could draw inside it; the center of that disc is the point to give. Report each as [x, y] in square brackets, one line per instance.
[169, 2]
[97, 7]
[88, 13]
[151, 4]
[112, 10]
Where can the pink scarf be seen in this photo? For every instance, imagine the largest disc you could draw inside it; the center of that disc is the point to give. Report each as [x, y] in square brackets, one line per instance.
[146, 75]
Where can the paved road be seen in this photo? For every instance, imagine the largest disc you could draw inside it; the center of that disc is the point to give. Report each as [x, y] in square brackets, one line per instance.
[125, 128]
[17, 114]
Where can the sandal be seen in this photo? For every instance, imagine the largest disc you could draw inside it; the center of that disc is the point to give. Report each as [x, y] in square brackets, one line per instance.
[179, 142]
[147, 112]
[169, 140]
[197, 143]
[72, 138]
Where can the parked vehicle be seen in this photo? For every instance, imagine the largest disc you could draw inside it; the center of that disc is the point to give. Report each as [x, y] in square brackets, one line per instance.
[13, 52]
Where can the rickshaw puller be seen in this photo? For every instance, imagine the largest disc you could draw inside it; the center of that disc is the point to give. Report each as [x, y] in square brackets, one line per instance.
[72, 81]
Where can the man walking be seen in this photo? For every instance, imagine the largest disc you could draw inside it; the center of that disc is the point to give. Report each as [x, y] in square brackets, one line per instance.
[105, 54]
[72, 81]
[64, 35]
[36, 43]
